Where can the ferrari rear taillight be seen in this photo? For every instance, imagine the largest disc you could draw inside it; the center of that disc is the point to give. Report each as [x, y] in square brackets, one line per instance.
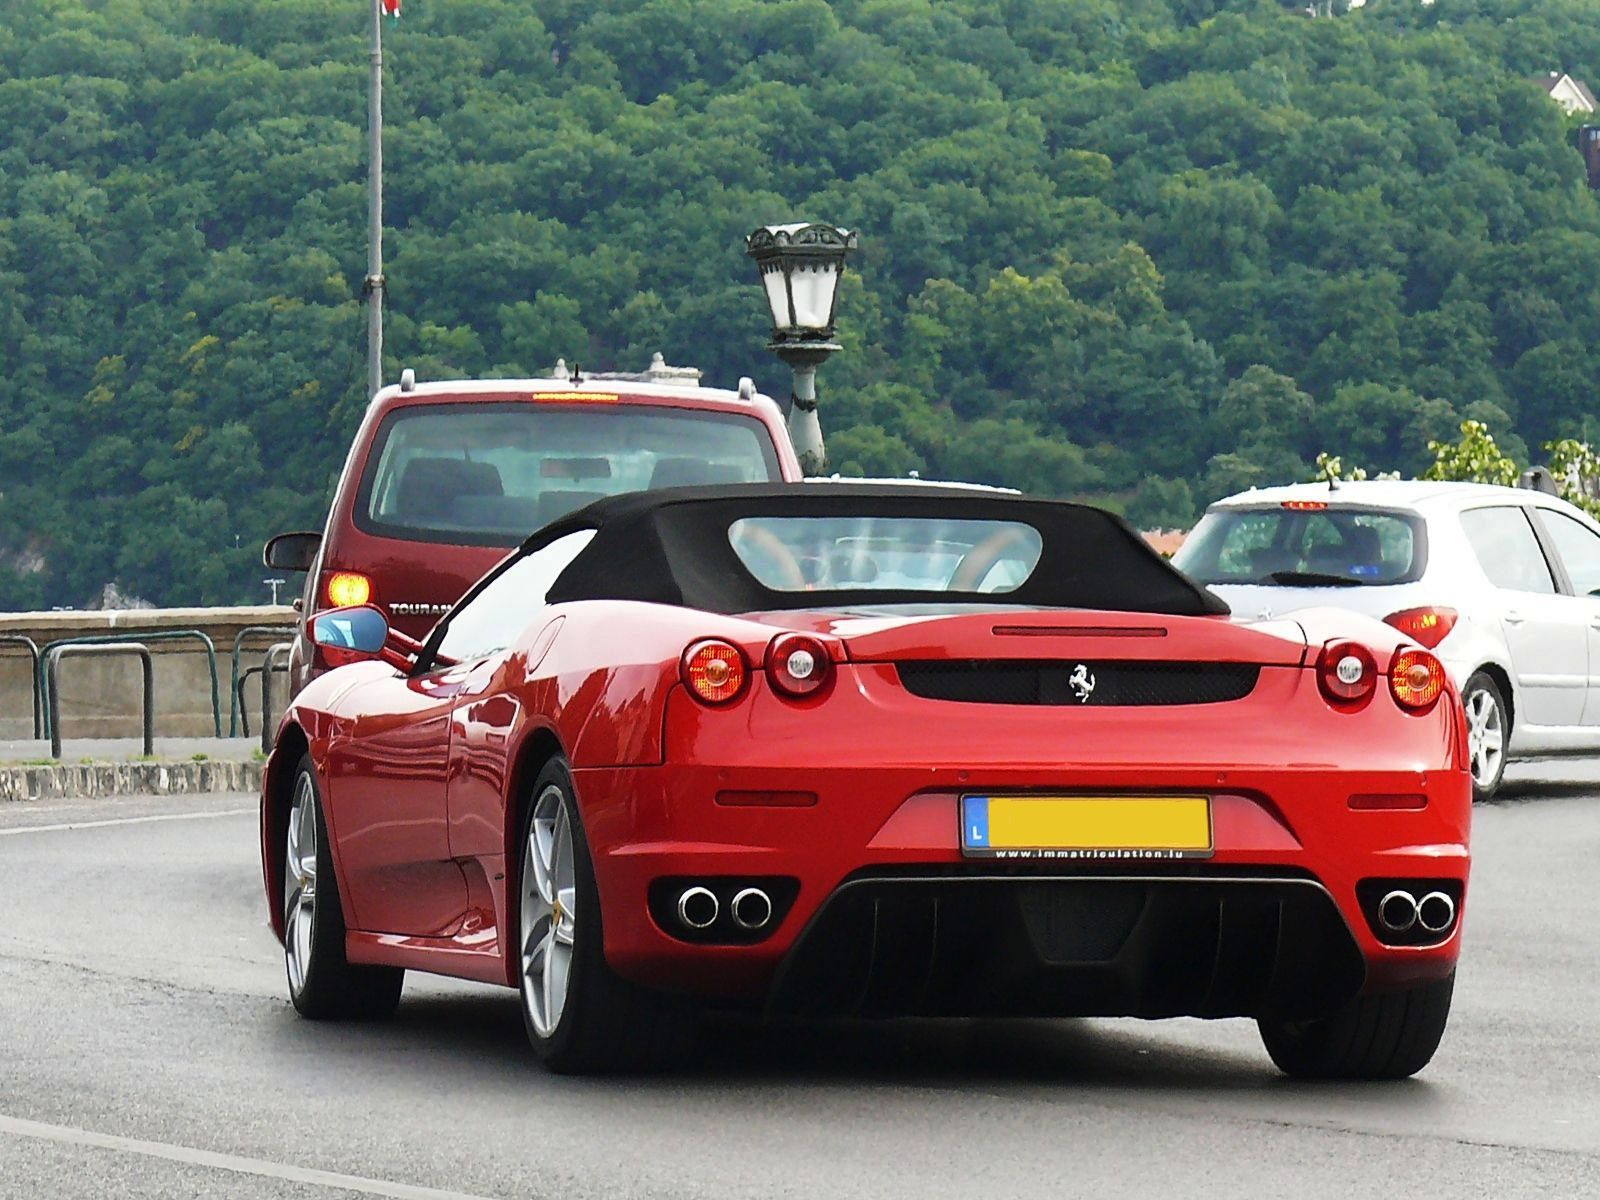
[1427, 626]
[798, 665]
[1416, 678]
[715, 671]
[1347, 673]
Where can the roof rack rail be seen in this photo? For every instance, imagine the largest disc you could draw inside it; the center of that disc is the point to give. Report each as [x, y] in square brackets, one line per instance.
[1539, 479]
[658, 372]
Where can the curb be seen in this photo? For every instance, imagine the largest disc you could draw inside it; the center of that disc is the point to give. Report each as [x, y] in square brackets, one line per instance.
[90, 780]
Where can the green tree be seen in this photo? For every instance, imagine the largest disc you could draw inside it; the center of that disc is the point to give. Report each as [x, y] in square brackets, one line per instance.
[1474, 459]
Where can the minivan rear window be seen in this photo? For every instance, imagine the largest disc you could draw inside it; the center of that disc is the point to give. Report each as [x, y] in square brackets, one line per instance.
[491, 474]
[1304, 547]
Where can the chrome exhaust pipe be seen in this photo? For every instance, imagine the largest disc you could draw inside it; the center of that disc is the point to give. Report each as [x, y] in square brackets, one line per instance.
[751, 909]
[698, 907]
[1397, 911]
[1436, 912]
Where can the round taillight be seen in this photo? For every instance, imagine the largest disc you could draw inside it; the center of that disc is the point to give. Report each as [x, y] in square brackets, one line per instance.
[349, 589]
[715, 671]
[1416, 678]
[798, 665]
[1347, 673]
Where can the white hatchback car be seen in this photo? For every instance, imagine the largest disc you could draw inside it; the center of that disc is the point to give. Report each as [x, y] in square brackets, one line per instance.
[1502, 584]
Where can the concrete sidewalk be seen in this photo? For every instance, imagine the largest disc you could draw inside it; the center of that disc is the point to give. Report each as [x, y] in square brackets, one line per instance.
[118, 767]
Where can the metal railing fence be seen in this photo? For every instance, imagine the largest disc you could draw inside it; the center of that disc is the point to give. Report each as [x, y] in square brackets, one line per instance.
[32, 647]
[52, 666]
[238, 719]
[268, 667]
[109, 639]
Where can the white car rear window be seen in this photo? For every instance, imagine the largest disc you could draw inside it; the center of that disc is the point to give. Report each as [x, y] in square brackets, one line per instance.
[1304, 544]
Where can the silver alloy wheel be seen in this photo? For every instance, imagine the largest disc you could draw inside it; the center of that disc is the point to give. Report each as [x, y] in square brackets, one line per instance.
[549, 894]
[300, 883]
[1486, 736]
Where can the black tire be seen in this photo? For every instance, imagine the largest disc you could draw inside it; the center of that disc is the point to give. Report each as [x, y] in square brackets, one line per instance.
[1482, 689]
[1389, 1036]
[323, 984]
[605, 1023]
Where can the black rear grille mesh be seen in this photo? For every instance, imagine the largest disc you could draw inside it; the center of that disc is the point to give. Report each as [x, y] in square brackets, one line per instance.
[1065, 682]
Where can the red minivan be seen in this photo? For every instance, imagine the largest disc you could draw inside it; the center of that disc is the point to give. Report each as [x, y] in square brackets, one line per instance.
[444, 478]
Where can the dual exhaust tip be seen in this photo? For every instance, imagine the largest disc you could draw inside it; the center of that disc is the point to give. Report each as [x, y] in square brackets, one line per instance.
[720, 910]
[1401, 911]
[750, 909]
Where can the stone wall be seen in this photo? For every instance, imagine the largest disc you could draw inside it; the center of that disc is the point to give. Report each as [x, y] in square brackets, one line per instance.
[100, 696]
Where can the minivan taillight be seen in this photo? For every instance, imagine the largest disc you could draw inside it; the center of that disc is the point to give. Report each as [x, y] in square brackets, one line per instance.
[1427, 626]
[348, 589]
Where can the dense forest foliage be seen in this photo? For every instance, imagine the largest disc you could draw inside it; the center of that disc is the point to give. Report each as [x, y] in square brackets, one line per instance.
[1142, 251]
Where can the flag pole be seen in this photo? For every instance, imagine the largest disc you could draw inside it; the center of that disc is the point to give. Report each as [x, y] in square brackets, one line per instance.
[375, 282]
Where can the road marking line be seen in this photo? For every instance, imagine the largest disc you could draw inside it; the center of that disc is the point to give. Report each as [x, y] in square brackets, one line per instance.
[225, 1162]
[200, 816]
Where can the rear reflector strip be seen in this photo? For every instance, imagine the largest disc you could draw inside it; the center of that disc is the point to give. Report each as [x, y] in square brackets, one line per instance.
[1371, 801]
[735, 799]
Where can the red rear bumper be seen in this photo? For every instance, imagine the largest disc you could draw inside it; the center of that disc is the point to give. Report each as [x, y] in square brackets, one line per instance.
[888, 770]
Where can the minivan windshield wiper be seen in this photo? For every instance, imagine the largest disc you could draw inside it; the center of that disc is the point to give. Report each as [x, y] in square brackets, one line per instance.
[1310, 578]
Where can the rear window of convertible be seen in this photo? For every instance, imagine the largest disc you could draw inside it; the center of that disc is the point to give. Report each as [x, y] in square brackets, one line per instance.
[491, 474]
[916, 554]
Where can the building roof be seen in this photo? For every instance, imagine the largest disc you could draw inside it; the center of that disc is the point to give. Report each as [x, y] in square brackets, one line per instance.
[1552, 80]
[1165, 542]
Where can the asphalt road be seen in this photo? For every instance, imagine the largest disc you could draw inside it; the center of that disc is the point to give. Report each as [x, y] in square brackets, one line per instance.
[147, 1050]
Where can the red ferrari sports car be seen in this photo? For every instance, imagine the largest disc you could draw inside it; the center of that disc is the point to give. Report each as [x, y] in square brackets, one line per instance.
[873, 750]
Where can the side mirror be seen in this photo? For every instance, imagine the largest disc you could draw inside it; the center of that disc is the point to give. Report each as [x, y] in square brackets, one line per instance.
[291, 551]
[360, 631]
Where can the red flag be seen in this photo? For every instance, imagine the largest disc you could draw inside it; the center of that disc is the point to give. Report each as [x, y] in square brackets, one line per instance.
[392, 7]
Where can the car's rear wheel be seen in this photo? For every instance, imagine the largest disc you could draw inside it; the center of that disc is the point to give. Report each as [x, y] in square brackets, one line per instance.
[579, 1015]
[1388, 1036]
[1488, 733]
[323, 984]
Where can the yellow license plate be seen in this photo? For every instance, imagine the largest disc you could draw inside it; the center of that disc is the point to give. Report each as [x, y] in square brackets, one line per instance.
[1086, 826]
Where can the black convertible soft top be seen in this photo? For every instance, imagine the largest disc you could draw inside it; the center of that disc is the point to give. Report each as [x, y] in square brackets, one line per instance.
[671, 546]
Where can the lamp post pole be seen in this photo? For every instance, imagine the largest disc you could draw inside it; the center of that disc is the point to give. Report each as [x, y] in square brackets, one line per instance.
[801, 266]
[805, 429]
[374, 285]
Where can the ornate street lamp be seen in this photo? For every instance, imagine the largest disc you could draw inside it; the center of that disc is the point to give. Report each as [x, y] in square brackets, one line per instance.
[800, 268]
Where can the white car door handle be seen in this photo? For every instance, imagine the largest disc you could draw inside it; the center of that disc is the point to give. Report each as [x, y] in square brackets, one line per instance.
[1513, 618]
